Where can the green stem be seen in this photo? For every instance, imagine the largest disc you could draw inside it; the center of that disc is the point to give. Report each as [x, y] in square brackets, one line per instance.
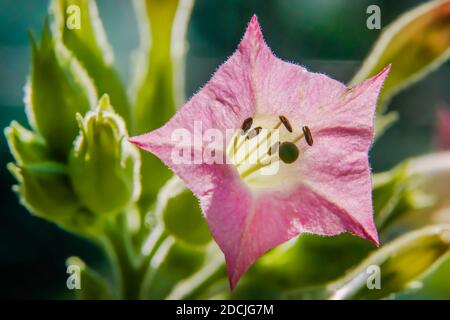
[130, 267]
[193, 286]
[118, 245]
[153, 242]
[149, 249]
[159, 254]
[134, 271]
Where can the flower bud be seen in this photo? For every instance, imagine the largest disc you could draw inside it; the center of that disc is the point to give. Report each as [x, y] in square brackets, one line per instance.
[57, 89]
[45, 190]
[180, 212]
[43, 185]
[104, 168]
[26, 147]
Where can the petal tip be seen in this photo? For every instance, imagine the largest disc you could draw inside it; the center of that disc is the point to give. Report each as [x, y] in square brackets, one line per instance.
[254, 21]
[136, 141]
[374, 239]
[386, 70]
[381, 76]
[232, 283]
[371, 234]
[235, 272]
[253, 33]
[233, 279]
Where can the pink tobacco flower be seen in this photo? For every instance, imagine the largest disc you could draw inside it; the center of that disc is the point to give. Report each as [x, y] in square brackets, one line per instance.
[443, 129]
[322, 181]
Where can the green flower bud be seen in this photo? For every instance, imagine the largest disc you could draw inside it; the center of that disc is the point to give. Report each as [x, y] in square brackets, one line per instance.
[57, 89]
[89, 45]
[180, 211]
[104, 167]
[26, 147]
[43, 185]
[45, 190]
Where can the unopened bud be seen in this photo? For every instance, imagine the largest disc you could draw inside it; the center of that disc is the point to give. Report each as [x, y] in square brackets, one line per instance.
[104, 168]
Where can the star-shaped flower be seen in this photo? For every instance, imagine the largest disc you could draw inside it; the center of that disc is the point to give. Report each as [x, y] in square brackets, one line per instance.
[310, 171]
[443, 129]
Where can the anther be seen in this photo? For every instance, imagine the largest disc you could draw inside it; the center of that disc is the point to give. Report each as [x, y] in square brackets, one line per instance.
[288, 152]
[273, 149]
[247, 124]
[286, 123]
[253, 133]
[308, 135]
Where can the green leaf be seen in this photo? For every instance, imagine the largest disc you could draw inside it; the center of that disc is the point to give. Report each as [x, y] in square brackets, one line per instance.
[158, 80]
[103, 166]
[415, 44]
[57, 89]
[411, 192]
[433, 174]
[89, 45]
[435, 286]
[158, 87]
[93, 286]
[390, 190]
[400, 263]
[180, 211]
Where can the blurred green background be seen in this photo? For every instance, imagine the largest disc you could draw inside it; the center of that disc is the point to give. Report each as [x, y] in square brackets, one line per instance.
[327, 36]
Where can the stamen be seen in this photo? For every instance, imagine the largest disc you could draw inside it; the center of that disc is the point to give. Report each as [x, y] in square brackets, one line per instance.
[288, 152]
[235, 142]
[247, 124]
[286, 123]
[253, 133]
[308, 135]
[297, 139]
[255, 168]
[263, 140]
[273, 149]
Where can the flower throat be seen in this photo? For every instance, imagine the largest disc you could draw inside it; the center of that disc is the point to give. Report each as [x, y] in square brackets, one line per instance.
[264, 143]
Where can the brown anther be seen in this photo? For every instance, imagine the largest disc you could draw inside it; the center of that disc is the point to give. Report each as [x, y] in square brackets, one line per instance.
[308, 135]
[273, 149]
[247, 124]
[253, 133]
[286, 123]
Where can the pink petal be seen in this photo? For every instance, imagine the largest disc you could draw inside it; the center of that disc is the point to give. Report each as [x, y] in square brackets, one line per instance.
[355, 108]
[443, 129]
[342, 178]
[281, 87]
